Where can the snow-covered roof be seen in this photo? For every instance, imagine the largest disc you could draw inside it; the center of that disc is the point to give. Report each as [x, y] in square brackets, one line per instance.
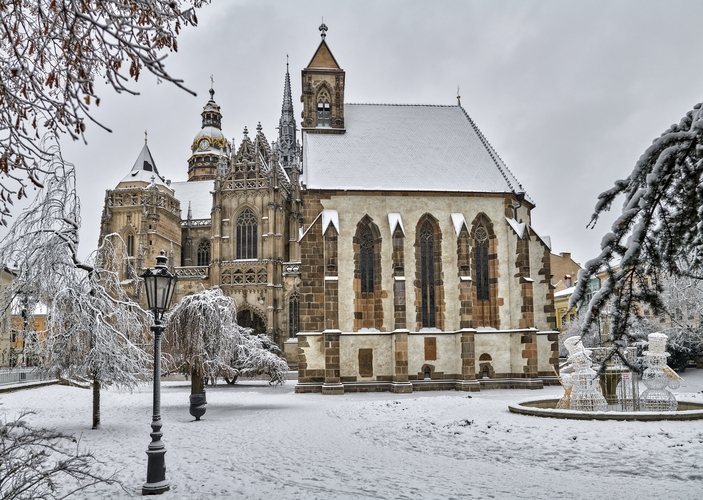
[144, 169]
[405, 148]
[565, 292]
[198, 194]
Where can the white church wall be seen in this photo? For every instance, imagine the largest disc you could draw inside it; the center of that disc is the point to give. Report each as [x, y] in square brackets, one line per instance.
[315, 354]
[498, 346]
[349, 345]
[448, 353]
[353, 207]
[544, 352]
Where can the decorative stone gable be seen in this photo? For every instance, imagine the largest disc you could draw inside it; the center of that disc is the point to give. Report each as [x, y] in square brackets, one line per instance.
[248, 170]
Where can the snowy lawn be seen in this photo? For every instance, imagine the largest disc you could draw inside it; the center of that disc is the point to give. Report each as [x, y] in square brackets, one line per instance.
[257, 441]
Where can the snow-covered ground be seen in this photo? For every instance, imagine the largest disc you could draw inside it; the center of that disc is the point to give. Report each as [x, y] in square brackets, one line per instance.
[257, 441]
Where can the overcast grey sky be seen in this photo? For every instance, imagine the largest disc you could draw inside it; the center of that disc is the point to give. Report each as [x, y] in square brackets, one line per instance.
[569, 93]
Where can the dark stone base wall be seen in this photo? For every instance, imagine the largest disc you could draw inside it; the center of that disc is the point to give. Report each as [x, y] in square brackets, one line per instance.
[433, 385]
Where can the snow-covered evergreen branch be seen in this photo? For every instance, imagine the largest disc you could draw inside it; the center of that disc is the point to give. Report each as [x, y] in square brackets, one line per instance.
[660, 229]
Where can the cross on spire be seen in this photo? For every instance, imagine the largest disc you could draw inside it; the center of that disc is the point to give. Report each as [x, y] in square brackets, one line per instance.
[212, 84]
[146, 137]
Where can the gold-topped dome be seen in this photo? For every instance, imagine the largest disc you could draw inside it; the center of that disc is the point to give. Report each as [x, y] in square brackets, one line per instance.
[210, 147]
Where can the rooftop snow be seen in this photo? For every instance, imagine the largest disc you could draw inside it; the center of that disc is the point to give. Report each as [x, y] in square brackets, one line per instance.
[565, 292]
[408, 148]
[199, 196]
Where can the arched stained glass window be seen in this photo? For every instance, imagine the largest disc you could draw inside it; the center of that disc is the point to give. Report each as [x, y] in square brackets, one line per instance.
[130, 245]
[482, 292]
[293, 315]
[323, 109]
[366, 260]
[203, 253]
[246, 235]
[427, 276]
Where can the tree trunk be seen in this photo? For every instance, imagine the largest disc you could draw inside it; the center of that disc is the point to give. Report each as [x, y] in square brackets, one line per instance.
[96, 403]
[197, 382]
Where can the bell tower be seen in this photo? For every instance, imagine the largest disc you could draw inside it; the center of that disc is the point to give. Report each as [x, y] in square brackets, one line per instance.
[210, 148]
[323, 92]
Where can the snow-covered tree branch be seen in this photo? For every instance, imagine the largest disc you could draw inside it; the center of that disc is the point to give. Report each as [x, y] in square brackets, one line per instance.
[94, 331]
[660, 229]
[36, 461]
[202, 337]
[52, 52]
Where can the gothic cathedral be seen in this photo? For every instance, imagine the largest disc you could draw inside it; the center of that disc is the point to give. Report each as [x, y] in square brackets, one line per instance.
[392, 250]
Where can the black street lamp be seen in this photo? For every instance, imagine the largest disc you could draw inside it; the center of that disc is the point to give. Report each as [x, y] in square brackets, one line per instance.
[159, 284]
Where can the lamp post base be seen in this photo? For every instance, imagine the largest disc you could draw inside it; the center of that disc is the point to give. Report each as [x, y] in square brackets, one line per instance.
[155, 488]
[156, 482]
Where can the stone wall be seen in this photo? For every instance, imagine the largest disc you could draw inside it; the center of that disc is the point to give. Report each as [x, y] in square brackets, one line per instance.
[336, 362]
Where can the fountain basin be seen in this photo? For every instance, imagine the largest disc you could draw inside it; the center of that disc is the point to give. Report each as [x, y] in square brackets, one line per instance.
[687, 410]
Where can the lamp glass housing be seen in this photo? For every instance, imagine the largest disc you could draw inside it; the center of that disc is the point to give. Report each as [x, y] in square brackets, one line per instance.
[159, 284]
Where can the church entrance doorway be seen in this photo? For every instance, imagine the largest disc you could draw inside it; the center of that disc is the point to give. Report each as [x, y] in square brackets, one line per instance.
[250, 319]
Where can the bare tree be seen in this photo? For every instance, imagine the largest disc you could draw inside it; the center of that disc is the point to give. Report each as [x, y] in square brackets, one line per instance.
[660, 230]
[95, 332]
[203, 338]
[52, 52]
[682, 297]
[42, 463]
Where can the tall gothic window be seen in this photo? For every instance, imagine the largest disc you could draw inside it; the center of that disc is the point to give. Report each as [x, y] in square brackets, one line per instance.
[130, 245]
[323, 110]
[293, 315]
[203, 253]
[366, 260]
[482, 292]
[246, 235]
[427, 277]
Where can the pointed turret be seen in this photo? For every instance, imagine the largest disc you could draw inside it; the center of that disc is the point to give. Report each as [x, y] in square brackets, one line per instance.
[288, 148]
[144, 168]
[323, 92]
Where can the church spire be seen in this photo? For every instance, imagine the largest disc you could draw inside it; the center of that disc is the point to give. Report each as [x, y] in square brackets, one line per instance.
[287, 143]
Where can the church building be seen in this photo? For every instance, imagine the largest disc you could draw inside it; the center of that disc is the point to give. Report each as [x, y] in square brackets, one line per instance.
[392, 250]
